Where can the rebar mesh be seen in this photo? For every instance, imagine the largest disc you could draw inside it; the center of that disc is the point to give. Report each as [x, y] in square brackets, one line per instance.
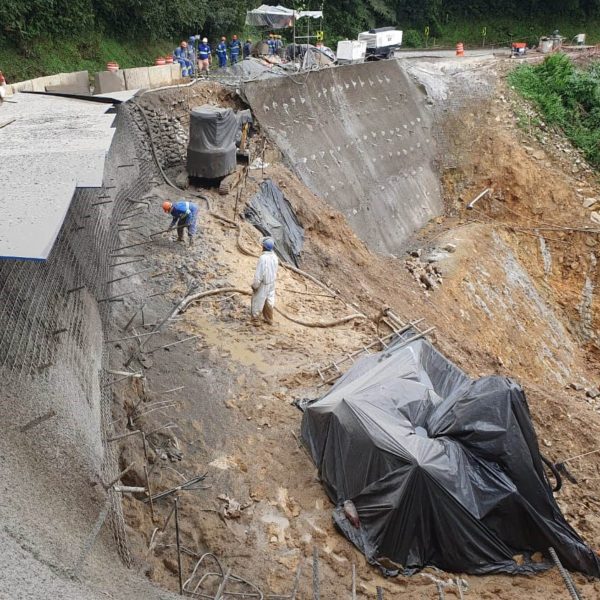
[50, 316]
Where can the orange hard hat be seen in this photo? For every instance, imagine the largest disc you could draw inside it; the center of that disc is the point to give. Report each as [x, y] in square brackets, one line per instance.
[167, 206]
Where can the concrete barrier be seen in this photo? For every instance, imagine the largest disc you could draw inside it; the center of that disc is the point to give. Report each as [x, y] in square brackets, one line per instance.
[78, 80]
[361, 137]
[106, 82]
[137, 78]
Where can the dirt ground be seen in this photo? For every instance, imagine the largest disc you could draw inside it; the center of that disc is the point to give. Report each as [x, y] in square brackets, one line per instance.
[499, 309]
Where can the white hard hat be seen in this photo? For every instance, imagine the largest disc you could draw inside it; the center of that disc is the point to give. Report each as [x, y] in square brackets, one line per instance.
[204, 40]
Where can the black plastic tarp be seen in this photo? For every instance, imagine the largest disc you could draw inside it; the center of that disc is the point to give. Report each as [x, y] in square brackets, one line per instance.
[211, 149]
[443, 470]
[271, 213]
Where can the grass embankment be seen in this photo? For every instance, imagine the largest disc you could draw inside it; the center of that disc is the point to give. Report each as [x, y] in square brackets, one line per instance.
[566, 96]
[46, 57]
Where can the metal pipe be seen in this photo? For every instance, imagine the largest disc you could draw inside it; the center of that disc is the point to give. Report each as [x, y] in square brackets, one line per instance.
[316, 591]
[565, 575]
[478, 197]
[179, 570]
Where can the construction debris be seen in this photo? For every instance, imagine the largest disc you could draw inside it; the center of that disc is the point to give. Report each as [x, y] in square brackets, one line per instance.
[232, 509]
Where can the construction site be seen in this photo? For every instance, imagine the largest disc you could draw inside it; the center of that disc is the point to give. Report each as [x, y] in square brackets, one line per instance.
[158, 442]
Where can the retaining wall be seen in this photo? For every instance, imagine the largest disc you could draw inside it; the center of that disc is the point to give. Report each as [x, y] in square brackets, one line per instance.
[53, 316]
[362, 137]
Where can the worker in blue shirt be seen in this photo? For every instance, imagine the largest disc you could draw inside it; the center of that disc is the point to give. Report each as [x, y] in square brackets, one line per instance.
[204, 52]
[222, 52]
[247, 50]
[235, 47]
[184, 214]
[272, 45]
[180, 56]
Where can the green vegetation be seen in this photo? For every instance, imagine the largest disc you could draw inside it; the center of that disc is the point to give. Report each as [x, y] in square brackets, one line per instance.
[47, 56]
[567, 97]
[38, 37]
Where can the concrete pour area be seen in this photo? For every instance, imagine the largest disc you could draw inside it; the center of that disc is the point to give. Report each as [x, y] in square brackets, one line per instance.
[213, 394]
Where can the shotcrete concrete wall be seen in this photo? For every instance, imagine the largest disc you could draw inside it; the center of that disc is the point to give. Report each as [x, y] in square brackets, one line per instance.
[55, 408]
[362, 137]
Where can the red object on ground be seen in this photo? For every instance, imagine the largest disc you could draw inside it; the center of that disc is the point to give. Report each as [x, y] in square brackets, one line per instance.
[160, 61]
[460, 49]
[518, 45]
[169, 59]
[112, 66]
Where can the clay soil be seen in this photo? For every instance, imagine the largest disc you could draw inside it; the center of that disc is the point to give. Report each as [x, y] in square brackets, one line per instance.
[231, 414]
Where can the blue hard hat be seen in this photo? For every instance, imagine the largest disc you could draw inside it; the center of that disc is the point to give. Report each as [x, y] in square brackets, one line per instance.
[192, 39]
[268, 244]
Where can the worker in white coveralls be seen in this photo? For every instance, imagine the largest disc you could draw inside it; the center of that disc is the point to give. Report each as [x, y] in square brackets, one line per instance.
[263, 286]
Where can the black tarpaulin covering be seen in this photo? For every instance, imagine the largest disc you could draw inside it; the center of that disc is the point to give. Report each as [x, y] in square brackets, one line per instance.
[211, 149]
[443, 470]
[273, 216]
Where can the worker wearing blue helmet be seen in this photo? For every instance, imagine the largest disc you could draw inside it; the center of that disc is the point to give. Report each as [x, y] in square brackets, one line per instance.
[263, 285]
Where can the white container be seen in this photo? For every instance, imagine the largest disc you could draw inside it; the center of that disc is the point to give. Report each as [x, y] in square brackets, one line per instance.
[580, 39]
[545, 45]
[381, 39]
[351, 51]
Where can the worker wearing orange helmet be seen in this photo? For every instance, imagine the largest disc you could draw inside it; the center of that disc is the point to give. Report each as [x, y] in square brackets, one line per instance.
[185, 215]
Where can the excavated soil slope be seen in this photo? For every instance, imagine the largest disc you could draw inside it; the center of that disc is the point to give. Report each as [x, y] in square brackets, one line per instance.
[232, 416]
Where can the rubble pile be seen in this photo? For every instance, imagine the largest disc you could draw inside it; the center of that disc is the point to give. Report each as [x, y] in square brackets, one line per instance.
[424, 267]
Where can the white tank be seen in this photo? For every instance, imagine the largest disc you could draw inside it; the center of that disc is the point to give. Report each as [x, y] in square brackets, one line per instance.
[351, 51]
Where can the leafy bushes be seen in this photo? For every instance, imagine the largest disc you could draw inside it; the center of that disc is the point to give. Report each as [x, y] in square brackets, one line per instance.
[567, 97]
[412, 39]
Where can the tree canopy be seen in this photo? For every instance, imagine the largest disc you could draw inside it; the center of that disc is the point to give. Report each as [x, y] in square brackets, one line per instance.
[22, 22]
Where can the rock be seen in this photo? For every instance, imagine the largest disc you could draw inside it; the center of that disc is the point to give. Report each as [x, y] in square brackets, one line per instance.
[518, 558]
[576, 386]
[539, 155]
[592, 393]
[449, 248]
[416, 253]
[595, 217]
[589, 202]
[537, 557]
[171, 565]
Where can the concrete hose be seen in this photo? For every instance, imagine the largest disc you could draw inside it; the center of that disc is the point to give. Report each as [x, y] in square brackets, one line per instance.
[184, 304]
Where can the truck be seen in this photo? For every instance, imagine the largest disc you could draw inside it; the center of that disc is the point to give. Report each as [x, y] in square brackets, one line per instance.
[381, 42]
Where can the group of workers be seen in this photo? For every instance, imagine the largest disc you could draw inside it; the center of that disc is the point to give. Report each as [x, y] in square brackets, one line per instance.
[197, 54]
[184, 215]
[275, 44]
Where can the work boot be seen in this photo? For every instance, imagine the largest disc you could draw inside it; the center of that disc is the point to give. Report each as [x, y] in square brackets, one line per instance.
[191, 242]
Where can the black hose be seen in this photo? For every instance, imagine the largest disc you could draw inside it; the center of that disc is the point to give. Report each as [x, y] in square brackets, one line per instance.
[555, 473]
